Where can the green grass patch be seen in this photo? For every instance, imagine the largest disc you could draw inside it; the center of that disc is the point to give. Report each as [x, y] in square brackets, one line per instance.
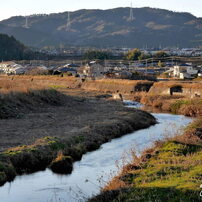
[172, 174]
[56, 145]
[78, 139]
[156, 194]
[178, 104]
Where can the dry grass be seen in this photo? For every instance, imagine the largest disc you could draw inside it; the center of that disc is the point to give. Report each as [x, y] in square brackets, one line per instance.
[114, 85]
[123, 81]
[175, 104]
[159, 101]
[8, 85]
[15, 103]
[60, 156]
[25, 83]
[170, 171]
[169, 84]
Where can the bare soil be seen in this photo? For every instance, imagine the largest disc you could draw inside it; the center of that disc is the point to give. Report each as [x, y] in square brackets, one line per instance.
[81, 113]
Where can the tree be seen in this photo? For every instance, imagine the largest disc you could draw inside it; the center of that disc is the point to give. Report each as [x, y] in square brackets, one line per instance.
[11, 49]
[144, 56]
[133, 54]
[160, 63]
[160, 54]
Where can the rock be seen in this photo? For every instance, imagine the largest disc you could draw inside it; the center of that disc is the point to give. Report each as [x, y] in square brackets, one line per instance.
[117, 96]
[198, 132]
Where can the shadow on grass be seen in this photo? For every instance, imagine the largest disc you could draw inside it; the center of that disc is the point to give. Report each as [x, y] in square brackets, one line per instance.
[148, 194]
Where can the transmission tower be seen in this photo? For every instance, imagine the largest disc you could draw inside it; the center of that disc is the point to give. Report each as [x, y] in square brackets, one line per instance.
[26, 22]
[131, 17]
[68, 22]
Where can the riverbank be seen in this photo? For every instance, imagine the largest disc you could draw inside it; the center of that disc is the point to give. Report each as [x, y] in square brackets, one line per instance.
[179, 97]
[168, 171]
[191, 107]
[47, 123]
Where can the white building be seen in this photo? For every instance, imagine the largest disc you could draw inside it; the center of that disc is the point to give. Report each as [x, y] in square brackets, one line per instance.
[184, 71]
[11, 68]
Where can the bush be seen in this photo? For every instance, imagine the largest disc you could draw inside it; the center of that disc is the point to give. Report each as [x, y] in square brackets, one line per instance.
[62, 164]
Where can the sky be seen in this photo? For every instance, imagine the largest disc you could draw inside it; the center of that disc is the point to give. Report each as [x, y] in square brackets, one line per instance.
[10, 8]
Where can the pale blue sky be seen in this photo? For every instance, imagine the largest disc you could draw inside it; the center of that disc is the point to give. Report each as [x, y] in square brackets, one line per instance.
[26, 7]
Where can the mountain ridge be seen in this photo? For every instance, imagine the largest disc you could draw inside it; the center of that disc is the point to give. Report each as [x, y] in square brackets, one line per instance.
[105, 28]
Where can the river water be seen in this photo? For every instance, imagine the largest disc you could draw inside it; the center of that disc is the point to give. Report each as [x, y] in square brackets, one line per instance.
[95, 168]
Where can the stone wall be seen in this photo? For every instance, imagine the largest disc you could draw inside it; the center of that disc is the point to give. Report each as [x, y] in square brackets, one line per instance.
[188, 89]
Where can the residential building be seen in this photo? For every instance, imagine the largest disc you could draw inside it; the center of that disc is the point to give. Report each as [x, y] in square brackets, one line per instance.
[11, 68]
[184, 71]
[93, 69]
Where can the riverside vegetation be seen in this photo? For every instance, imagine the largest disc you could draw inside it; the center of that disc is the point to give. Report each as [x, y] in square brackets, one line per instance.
[42, 126]
[169, 171]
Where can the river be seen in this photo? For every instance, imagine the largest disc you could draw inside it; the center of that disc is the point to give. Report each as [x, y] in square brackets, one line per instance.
[95, 168]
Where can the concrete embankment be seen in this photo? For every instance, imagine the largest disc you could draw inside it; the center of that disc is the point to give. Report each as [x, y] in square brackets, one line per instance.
[186, 89]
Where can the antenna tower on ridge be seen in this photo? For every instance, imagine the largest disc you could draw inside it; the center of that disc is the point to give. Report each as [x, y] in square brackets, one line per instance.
[68, 22]
[26, 22]
[131, 17]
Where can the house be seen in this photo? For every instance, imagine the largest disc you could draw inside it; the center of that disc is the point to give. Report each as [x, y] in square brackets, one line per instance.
[18, 71]
[118, 74]
[93, 69]
[67, 70]
[36, 69]
[184, 71]
[72, 65]
[11, 68]
[7, 64]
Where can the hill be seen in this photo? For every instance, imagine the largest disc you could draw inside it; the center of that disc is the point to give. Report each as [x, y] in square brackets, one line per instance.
[103, 28]
[11, 49]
